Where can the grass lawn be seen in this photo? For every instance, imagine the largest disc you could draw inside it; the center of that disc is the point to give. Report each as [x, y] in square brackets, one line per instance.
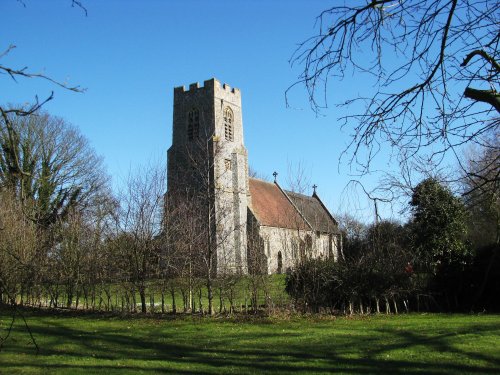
[410, 344]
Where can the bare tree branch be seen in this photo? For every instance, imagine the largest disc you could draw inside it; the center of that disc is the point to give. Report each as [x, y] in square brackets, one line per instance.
[419, 57]
[484, 55]
[79, 4]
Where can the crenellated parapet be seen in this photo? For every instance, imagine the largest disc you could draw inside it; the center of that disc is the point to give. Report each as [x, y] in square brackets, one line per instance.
[211, 85]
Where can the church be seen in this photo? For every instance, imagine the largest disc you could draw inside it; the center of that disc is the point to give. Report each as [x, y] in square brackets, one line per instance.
[252, 225]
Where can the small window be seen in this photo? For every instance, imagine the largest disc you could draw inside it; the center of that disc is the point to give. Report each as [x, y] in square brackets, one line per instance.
[193, 124]
[228, 124]
[227, 164]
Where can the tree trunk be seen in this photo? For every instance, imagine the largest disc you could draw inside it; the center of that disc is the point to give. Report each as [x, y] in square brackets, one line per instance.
[210, 294]
[174, 307]
[395, 305]
[69, 300]
[162, 301]
[200, 295]
[134, 301]
[142, 294]
[221, 300]
[184, 299]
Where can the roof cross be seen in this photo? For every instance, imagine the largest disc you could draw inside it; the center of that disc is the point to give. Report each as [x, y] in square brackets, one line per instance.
[275, 174]
[314, 188]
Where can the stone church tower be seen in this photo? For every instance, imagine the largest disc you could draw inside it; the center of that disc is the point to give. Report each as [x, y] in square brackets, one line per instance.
[208, 159]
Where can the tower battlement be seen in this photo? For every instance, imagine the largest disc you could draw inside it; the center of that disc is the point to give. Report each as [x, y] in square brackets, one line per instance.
[211, 84]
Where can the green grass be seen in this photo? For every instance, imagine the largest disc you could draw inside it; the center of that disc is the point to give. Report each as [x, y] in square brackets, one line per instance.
[410, 344]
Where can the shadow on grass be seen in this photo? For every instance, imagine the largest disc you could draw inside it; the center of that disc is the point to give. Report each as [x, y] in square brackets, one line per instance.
[73, 345]
[443, 343]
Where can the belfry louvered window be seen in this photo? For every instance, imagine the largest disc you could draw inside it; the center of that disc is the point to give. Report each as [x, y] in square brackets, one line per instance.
[193, 124]
[228, 124]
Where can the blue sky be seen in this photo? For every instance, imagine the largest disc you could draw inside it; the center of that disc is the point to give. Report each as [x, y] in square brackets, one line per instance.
[129, 55]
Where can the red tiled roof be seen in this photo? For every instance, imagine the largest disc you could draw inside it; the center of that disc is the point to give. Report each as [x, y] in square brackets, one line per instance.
[272, 208]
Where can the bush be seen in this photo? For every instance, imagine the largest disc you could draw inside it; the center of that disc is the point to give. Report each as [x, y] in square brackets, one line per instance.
[344, 285]
[313, 283]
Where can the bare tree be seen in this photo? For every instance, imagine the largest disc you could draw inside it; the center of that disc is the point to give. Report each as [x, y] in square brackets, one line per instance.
[434, 68]
[253, 173]
[215, 254]
[480, 179]
[182, 240]
[141, 224]
[298, 177]
[19, 264]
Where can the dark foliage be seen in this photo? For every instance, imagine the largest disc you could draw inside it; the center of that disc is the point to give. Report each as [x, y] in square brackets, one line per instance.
[464, 287]
[438, 226]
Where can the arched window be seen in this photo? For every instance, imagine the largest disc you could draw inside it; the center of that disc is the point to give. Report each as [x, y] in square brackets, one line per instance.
[280, 262]
[193, 124]
[228, 124]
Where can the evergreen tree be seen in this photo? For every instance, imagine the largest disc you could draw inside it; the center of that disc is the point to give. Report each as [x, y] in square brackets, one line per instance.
[438, 226]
